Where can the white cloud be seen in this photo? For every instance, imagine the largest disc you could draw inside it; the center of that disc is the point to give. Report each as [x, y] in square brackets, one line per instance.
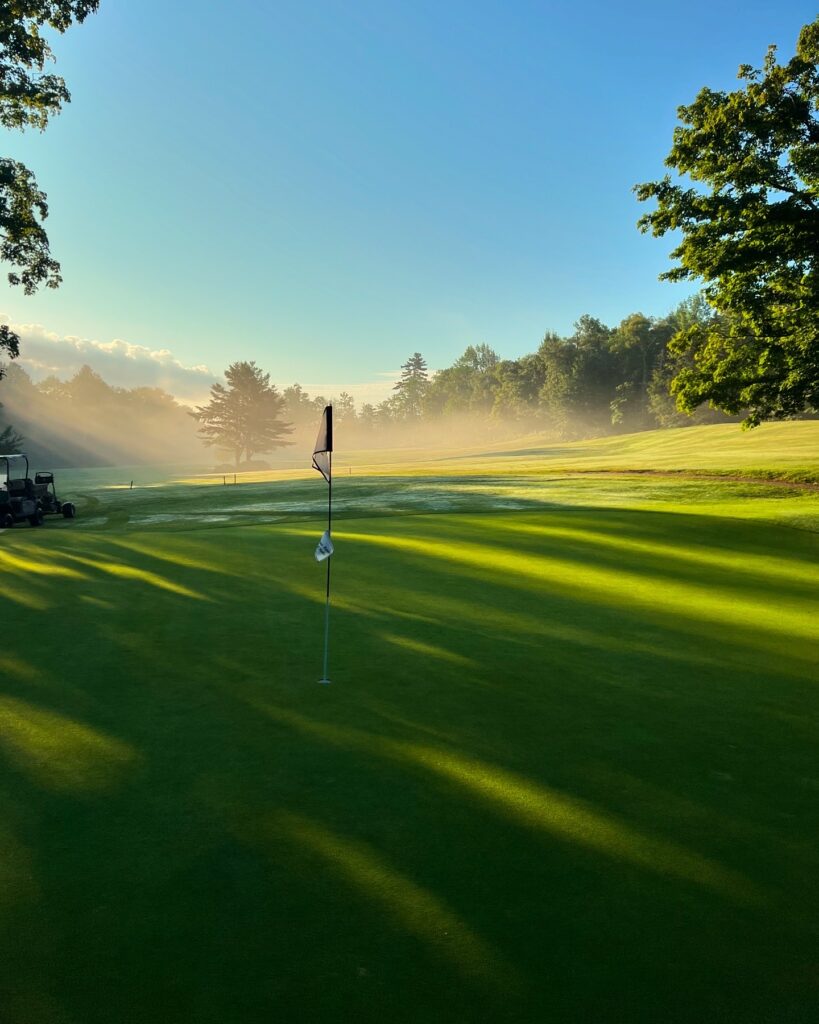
[119, 362]
[44, 353]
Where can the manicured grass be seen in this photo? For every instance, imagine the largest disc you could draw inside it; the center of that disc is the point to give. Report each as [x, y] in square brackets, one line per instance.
[566, 770]
[784, 451]
[779, 451]
[775, 450]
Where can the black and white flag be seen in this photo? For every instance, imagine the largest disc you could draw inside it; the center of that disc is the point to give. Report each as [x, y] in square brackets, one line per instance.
[323, 450]
[323, 462]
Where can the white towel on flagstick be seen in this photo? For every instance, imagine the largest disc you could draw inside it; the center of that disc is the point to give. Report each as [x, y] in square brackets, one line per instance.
[325, 547]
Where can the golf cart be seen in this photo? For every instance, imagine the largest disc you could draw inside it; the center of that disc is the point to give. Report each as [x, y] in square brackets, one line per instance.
[46, 495]
[17, 498]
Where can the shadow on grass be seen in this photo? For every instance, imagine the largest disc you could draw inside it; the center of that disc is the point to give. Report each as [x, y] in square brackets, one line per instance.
[566, 771]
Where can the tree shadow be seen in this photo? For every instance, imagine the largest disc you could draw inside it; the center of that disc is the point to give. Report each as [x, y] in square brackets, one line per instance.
[533, 791]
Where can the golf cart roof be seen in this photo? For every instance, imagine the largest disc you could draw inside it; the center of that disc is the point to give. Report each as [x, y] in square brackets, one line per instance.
[14, 460]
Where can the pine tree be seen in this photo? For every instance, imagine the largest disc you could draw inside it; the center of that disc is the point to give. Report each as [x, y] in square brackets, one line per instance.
[412, 386]
[244, 417]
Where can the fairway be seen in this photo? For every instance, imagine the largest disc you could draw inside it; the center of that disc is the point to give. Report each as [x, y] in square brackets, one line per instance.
[567, 769]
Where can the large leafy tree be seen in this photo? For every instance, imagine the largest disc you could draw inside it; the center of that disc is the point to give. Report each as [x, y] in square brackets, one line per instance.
[29, 97]
[466, 386]
[244, 417]
[750, 232]
[639, 343]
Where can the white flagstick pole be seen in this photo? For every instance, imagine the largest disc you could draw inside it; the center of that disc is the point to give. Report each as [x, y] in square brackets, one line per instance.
[324, 678]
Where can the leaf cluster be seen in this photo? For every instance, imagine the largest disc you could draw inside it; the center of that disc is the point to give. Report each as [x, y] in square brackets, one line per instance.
[29, 97]
[749, 226]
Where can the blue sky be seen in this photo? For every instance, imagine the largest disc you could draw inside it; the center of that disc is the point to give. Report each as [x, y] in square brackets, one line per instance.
[326, 187]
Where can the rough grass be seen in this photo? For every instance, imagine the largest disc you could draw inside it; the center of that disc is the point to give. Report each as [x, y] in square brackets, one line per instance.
[566, 769]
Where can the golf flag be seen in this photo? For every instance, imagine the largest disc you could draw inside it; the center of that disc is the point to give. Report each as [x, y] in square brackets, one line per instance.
[323, 462]
[325, 547]
[324, 445]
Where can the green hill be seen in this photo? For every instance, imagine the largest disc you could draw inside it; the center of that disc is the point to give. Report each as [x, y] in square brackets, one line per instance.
[785, 451]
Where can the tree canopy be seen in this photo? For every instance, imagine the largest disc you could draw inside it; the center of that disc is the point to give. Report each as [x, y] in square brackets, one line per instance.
[244, 417]
[750, 232]
[84, 421]
[29, 97]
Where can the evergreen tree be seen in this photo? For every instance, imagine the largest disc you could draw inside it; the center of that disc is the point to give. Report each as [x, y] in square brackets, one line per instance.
[244, 417]
[412, 386]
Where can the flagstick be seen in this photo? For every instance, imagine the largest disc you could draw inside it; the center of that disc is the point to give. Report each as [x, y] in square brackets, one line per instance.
[329, 560]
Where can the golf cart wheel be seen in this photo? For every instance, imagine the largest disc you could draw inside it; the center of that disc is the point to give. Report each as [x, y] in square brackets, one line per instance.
[7, 521]
[37, 518]
[69, 510]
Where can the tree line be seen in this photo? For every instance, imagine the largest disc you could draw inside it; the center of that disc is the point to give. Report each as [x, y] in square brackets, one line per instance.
[84, 421]
[747, 226]
[595, 381]
[598, 380]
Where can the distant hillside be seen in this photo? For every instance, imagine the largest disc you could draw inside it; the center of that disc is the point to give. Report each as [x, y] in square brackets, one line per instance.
[786, 451]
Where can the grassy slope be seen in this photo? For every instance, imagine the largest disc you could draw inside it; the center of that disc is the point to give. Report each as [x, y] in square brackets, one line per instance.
[781, 450]
[567, 767]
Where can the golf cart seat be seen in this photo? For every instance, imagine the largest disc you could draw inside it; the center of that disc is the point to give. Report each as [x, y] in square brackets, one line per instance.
[20, 488]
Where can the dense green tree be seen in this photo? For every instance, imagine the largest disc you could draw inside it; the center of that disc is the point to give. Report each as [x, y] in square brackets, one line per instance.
[9, 344]
[518, 386]
[29, 97]
[639, 343]
[662, 406]
[468, 386]
[85, 421]
[557, 390]
[243, 417]
[390, 411]
[580, 376]
[412, 386]
[344, 409]
[750, 232]
[298, 406]
[87, 387]
[10, 441]
[367, 416]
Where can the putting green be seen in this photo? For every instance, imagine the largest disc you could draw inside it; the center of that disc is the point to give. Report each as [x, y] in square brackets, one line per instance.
[566, 770]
